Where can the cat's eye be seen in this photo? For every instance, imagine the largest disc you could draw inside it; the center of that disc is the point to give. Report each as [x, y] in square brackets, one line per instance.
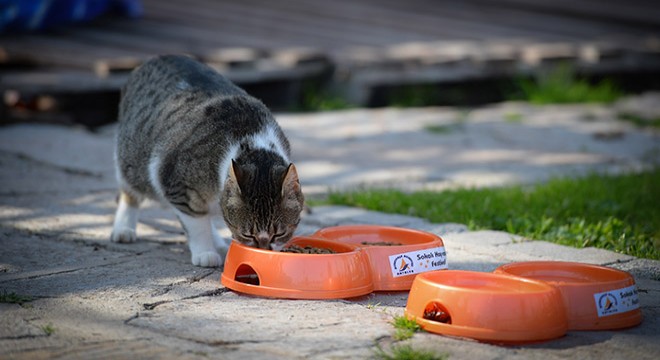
[279, 235]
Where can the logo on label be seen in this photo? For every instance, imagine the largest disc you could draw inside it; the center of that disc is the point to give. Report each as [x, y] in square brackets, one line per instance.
[607, 303]
[403, 265]
[616, 301]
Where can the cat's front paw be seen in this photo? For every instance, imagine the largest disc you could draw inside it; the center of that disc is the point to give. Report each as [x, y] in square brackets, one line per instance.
[207, 259]
[124, 235]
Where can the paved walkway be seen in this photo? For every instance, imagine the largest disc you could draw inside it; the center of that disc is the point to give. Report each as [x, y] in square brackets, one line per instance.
[96, 299]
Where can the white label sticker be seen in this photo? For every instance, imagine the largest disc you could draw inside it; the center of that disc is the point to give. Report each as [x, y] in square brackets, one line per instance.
[616, 301]
[416, 262]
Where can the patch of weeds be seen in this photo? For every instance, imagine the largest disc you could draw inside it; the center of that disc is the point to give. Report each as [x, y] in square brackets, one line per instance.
[513, 117]
[48, 329]
[458, 124]
[405, 328]
[406, 352]
[13, 298]
[323, 100]
[440, 129]
[415, 96]
[639, 121]
[372, 306]
[562, 85]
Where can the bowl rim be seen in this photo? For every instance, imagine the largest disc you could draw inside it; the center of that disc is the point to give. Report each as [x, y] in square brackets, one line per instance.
[322, 233]
[613, 276]
[427, 279]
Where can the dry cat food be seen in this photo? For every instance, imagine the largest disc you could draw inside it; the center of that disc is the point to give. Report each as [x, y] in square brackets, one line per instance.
[307, 250]
[381, 243]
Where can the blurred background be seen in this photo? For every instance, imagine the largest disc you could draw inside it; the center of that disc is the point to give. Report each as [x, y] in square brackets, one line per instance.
[64, 61]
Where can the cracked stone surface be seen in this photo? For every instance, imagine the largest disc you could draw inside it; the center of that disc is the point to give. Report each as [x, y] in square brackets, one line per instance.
[90, 298]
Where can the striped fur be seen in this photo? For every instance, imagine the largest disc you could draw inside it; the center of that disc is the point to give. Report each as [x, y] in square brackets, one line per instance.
[190, 138]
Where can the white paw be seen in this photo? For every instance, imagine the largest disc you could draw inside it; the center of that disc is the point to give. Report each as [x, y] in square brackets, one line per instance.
[124, 235]
[207, 259]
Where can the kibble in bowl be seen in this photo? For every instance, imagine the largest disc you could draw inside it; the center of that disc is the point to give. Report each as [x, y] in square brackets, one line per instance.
[307, 249]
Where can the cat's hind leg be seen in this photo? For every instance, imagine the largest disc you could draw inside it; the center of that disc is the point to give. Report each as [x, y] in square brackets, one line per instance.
[202, 237]
[123, 229]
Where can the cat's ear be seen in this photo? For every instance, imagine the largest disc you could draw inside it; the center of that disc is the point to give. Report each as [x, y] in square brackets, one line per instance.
[290, 183]
[235, 173]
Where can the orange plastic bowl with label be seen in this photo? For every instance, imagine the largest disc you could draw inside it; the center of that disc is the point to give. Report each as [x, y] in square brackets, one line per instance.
[276, 274]
[596, 297]
[394, 267]
[487, 307]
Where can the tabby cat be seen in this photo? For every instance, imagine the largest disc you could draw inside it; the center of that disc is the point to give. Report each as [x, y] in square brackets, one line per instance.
[190, 138]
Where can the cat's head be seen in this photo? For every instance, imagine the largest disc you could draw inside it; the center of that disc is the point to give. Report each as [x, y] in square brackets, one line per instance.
[261, 205]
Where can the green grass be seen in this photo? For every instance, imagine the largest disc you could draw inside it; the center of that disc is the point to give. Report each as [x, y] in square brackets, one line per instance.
[406, 352]
[372, 306]
[13, 298]
[441, 129]
[405, 328]
[48, 329]
[415, 96]
[562, 85]
[619, 213]
[512, 117]
[314, 99]
[654, 123]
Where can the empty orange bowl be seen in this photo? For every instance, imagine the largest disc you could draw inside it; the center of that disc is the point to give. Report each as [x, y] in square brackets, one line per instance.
[487, 307]
[393, 267]
[596, 297]
[276, 274]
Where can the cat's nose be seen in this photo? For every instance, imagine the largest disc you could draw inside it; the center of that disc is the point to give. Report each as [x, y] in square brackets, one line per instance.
[263, 240]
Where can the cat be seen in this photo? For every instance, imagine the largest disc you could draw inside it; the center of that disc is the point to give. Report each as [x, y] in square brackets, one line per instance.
[191, 139]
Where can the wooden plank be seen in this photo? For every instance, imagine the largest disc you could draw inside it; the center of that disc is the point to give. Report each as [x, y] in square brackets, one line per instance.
[126, 37]
[59, 81]
[194, 38]
[638, 13]
[57, 51]
[271, 24]
[538, 26]
[557, 22]
[318, 21]
[401, 20]
[439, 22]
[233, 24]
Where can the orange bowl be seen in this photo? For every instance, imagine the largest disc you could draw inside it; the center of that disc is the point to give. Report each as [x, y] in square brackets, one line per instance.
[393, 267]
[596, 297]
[276, 274]
[487, 307]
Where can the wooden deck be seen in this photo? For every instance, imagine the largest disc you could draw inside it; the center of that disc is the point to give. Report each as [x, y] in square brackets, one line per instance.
[368, 42]
[335, 27]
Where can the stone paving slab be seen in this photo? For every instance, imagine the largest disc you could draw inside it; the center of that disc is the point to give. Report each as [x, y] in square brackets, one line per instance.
[95, 299]
[436, 148]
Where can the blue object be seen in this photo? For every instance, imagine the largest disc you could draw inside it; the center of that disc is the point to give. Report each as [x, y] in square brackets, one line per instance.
[34, 15]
